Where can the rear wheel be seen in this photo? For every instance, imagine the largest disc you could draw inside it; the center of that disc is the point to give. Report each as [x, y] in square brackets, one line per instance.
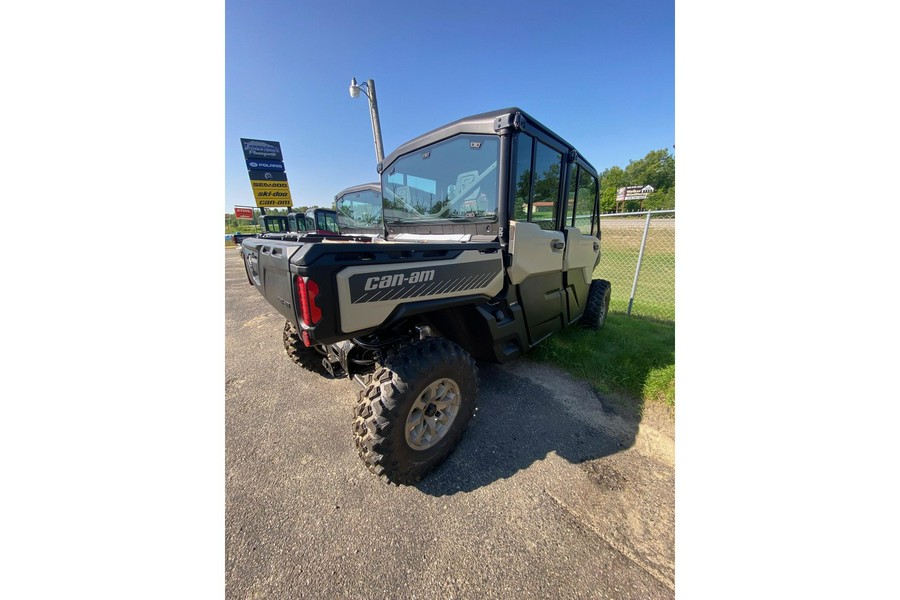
[414, 409]
[597, 305]
[308, 357]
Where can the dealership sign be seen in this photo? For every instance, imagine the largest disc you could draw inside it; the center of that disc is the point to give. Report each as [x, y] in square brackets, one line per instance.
[261, 150]
[634, 192]
[265, 166]
[243, 213]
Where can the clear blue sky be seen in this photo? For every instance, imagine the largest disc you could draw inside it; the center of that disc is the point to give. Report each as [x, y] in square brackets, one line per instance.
[601, 74]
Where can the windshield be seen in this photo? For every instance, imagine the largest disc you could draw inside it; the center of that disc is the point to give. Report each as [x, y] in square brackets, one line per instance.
[361, 209]
[276, 224]
[296, 222]
[327, 221]
[454, 180]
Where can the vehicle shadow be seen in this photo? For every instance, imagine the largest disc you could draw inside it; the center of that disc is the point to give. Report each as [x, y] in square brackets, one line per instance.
[526, 411]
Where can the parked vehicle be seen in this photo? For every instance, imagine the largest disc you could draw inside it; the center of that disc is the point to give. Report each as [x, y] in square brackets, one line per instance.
[269, 224]
[492, 235]
[323, 221]
[319, 221]
[359, 209]
[238, 237]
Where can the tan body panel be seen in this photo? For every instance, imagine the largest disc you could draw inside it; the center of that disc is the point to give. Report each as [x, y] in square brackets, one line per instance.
[532, 251]
[580, 254]
[387, 286]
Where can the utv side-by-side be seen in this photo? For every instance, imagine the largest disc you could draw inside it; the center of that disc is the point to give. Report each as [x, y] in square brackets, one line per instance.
[359, 209]
[492, 235]
[294, 226]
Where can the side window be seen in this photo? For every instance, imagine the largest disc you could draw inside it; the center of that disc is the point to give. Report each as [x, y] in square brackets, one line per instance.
[570, 195]
[584, 203]
[547, 168]
[524, 145]
[330, 223]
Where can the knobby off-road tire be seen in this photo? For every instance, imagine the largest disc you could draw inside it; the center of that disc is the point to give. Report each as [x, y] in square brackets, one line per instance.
[597, 305]
[414, 409]
[308, 358]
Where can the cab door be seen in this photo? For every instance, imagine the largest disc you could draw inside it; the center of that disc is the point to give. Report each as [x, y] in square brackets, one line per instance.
[536, 242]
[582, 245]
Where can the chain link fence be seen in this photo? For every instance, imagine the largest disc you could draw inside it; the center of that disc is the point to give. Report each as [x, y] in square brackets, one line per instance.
[638, 258]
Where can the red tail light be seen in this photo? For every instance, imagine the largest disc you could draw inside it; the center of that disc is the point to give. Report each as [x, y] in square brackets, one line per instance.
[315, 312]
[307, 290]
[304, 300]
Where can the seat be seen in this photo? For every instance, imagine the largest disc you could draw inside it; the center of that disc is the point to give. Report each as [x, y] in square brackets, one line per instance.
[463, 180]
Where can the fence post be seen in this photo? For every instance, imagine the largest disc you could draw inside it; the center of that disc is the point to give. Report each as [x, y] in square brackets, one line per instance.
[637, 270]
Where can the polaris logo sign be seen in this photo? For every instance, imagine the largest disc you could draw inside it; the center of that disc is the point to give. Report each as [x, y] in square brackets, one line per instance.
[389, 281]
[455, 279]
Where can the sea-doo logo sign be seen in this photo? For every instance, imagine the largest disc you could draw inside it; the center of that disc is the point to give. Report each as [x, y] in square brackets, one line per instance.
[389, 281]
[269, 184]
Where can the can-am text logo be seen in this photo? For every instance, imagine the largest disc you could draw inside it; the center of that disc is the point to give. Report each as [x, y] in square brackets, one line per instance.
[388, 281]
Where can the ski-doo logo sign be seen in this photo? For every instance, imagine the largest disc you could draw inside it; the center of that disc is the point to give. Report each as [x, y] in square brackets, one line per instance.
[418, 283]
[388, 281]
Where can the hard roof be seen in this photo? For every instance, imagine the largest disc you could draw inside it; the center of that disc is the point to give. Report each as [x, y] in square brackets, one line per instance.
[485, 123]
[374, 186]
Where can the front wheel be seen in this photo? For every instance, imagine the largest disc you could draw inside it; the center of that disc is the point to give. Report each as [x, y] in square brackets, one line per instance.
[414, 409]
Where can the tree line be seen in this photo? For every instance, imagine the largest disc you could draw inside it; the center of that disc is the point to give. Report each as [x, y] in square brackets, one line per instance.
[656, 169]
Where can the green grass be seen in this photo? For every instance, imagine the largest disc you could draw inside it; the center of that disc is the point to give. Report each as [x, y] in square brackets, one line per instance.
[242, 229]
[655, 294]
[631, 357]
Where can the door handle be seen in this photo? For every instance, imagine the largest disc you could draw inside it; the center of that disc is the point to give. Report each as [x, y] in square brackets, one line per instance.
[557, 245]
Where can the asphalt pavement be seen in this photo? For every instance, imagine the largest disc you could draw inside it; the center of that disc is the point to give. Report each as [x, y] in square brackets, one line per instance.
[548, 495]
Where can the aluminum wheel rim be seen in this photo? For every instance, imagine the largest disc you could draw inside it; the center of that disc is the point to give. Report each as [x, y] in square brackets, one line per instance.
[432, 414]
